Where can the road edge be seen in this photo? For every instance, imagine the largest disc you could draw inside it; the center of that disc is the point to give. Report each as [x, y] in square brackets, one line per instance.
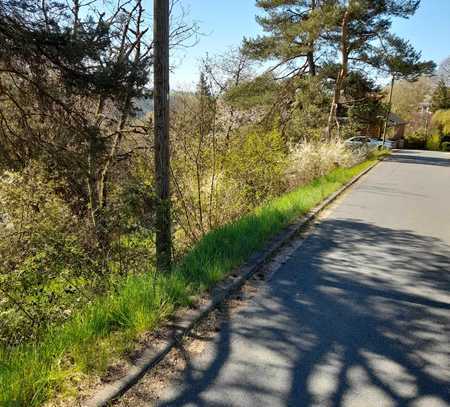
[149, 360]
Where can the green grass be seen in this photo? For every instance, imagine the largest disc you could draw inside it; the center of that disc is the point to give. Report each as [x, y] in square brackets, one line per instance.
[33, 373]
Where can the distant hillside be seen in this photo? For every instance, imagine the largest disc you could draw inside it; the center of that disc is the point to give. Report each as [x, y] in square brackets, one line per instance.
[145, 105]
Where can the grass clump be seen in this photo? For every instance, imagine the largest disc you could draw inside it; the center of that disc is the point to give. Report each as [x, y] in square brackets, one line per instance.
[32, 373]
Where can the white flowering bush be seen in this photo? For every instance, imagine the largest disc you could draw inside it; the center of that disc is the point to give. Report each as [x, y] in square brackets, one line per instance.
[309, 160]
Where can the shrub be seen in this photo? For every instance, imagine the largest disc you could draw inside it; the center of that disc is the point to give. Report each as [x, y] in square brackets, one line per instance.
[434, 142]
[256, 165]
[310, 160]
[441, 120]
[43, 261]
[416, 140]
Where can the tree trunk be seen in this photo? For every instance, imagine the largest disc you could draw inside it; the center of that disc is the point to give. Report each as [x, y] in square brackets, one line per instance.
[388, 113]
[310, 54]
[161, 132]
[341, 75]
[311, 63]
[92, 168]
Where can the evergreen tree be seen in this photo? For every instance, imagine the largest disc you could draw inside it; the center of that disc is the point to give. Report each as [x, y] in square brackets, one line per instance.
[203, 87]
[347, 34]
[441, 97]
[362, 35]
[70, 73]
[206, 106]
[293, 30]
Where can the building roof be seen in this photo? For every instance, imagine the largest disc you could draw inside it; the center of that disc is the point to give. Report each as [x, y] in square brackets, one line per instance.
[395, 120]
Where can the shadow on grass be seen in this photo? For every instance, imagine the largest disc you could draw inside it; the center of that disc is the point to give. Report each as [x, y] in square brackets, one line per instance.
[359, 316]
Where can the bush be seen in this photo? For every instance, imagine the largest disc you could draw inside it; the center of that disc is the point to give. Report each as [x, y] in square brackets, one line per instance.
[310, 160]
[434, 142]
[43, 261]
[445, 146]
[441, 120]
[255, 166]
[416, 140]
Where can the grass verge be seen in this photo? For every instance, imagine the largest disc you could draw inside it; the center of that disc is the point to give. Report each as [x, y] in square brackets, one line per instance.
[33, 373]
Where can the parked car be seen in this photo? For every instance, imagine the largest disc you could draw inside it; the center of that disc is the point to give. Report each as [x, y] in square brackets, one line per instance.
[369, 143]
[361, 142]
[390, 144]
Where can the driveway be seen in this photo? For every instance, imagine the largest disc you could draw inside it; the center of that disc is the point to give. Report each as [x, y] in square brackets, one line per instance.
[359, 315]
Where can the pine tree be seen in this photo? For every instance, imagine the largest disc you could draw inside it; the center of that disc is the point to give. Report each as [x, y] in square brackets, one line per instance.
[441, 97]
[206, 106]
[67, 66]
[362, 35]
[332, 38]
[293, 27]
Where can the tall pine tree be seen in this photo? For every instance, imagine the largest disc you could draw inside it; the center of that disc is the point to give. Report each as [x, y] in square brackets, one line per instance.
[362, 36]
[306, 36]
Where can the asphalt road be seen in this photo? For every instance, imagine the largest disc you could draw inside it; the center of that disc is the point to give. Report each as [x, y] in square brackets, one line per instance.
[359, 315]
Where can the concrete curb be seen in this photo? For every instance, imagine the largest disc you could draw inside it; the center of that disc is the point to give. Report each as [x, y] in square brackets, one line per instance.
[149, 360]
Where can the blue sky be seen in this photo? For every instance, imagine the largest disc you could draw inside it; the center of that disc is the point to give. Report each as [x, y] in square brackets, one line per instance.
[225, 22]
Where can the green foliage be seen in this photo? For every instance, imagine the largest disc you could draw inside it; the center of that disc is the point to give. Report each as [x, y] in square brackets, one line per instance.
[43, 258]
[434, 142]
[106, 327]
[258, 92]
[441, 120]
[367, 113]
[292, 28]
[50, 263]
[81, 46]
[441, 97]
[301, 36]
[398, 56]
[441, 129]
[309, 112]
[417, 139]
[256, 165]
[369, 39]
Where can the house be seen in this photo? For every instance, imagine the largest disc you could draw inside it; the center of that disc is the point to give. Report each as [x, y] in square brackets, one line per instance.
[396, 127]
[395, 130]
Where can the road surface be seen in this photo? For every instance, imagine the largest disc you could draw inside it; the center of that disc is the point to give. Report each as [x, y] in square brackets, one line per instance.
[360, 314]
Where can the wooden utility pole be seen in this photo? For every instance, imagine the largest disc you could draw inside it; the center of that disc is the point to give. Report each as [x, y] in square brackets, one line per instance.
[161, 133]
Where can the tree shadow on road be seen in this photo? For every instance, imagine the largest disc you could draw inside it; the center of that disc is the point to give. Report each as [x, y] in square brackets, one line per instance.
[404, 157]
[368, 328]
